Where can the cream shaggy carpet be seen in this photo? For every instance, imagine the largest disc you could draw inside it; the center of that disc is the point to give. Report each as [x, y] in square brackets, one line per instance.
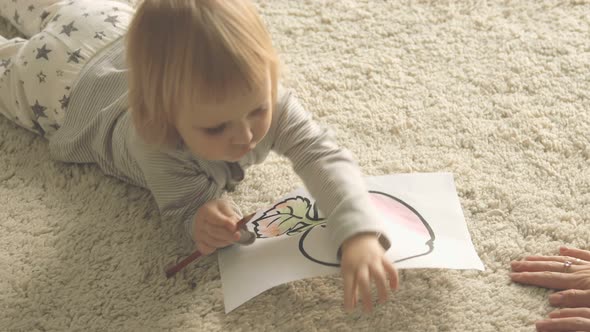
[496, 92]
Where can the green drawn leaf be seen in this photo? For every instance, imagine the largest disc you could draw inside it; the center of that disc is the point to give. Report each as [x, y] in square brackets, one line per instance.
[287, 217]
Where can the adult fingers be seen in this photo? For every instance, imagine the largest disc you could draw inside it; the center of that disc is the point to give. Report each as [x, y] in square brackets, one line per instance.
[570, 312]
[560, 259]
[392, 273]
[364, 285]
[564, 324]
[553, 280]
[576, 253]
[538, 266]
[379, 277]
[570, 298]
[349, 289]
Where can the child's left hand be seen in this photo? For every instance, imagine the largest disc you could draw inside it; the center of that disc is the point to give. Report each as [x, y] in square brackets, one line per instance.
[362, 260]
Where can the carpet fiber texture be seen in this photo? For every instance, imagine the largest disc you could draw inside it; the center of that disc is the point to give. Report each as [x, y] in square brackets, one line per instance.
[496, 92]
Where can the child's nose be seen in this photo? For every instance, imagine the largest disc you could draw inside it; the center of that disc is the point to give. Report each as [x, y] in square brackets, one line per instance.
[243, 134]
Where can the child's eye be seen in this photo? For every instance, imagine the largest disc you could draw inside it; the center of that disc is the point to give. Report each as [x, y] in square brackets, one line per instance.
[215, 131]
[258, 112]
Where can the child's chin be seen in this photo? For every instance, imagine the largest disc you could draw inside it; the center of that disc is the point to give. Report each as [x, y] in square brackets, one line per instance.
[227, 157]
[236, 157]
[211, 157]
[232, 159]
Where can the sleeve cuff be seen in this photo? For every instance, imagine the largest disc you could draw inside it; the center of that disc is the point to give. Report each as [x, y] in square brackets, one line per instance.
[383, 241]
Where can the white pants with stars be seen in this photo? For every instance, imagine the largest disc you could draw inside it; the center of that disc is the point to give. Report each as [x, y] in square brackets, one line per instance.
[37, 74]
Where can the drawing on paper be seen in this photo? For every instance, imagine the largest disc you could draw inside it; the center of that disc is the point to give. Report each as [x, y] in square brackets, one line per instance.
[297, 215]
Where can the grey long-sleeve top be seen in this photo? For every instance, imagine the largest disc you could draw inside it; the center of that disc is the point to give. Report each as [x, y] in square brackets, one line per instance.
[98, 129]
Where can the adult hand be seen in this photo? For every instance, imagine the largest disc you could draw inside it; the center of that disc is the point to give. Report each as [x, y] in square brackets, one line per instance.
[363, 259]
[570, 272]
[215, 226]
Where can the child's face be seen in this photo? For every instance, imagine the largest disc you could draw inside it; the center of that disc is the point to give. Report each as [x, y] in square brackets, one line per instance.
[230, 129]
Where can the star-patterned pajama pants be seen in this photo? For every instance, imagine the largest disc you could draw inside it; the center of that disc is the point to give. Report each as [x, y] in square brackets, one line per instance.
[38, 73]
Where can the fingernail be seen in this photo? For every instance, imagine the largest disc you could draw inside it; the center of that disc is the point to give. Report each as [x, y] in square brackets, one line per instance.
[555, 299]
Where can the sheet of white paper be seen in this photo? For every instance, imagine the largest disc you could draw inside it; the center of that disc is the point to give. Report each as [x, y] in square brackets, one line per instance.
[424, 221]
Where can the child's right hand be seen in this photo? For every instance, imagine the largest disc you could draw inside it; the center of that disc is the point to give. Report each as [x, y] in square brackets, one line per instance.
[215, 226]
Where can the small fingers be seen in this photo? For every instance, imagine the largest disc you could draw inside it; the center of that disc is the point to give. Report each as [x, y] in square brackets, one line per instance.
[226, 211]
[205, 248]
[349, 291]
[217, 243]
[214, 237]
[379, 277]
[364, 285]
[221, 233]
[570, 298]
[392, 273]
[355, 296]
[570, 312]
[219, 219]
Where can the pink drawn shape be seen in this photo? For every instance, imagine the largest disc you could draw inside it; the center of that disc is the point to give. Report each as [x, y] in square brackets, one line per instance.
[398, 213]
[269, 227]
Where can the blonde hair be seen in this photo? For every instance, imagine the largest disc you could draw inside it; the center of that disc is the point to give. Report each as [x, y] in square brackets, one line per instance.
[182, 53]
